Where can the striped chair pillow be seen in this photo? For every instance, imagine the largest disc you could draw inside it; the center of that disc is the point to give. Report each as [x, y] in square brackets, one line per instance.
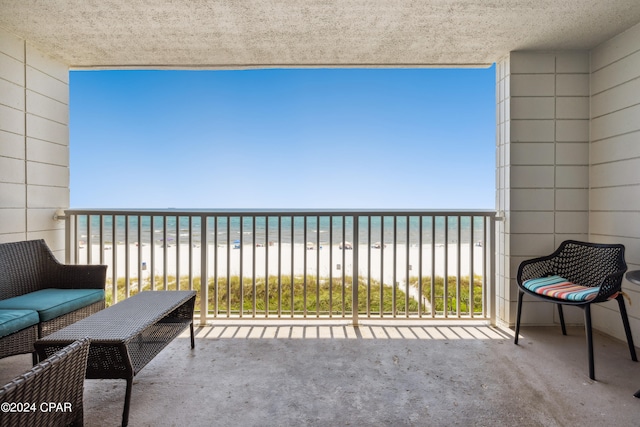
[560, 288]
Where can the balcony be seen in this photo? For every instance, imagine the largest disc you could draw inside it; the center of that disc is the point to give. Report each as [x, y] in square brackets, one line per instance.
[381, 373]
[260, 359]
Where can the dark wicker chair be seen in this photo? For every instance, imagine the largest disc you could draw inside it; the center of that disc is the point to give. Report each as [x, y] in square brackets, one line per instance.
[597, 269]
[30, 266]
[58, 379]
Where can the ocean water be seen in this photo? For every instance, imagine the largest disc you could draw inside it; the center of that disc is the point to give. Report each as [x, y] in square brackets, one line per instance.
[321, 230]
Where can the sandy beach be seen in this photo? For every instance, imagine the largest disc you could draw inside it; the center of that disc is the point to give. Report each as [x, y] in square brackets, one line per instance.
[275, 259]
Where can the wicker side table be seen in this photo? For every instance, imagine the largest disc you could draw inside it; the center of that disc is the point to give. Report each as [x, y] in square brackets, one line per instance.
[127, 335]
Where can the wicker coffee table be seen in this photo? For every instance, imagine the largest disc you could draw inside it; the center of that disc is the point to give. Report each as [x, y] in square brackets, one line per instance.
[127, 335]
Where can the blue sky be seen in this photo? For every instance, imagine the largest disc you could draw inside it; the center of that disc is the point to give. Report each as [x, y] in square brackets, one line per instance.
[283, 138]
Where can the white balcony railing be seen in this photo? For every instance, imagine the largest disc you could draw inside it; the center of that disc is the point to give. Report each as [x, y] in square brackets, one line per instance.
[287, 264]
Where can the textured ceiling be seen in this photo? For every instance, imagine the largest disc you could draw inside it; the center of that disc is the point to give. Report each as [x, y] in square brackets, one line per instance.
[247, 33]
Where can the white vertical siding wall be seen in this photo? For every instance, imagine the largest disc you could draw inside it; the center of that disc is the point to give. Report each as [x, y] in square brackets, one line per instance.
[542, 166]
[615, 164]
[503, 195]
[34, 143]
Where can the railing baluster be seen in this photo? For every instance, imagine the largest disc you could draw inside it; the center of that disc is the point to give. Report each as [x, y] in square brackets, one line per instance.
[304, 264]
[291, 270]
[394, 281]
[114, 259]
[191, 243]
[407, 270]
[355, 282]
[204, 273]
[216, 265]
[458, 267]
[420, 294]
[75, 242]
[446, 267]
[152, 260]
[253, 266]
[139, 233]
[69, 226]
[178, 257]
[331, 222]
[88, 241]
[369, 227]
[266, 266]
[487, 271]
[228, 266]
[317, 249]
[165, 247]
[343, 266]
[279, 267]
[383, 246]
[472, 279]
[127, 264]
[241, 308]
[101, 227]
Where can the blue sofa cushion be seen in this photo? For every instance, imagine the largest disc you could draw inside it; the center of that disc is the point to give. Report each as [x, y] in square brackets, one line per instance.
[16, 320]
[52, 303]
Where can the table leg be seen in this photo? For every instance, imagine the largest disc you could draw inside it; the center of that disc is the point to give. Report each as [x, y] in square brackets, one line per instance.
[127, 401]
[193, 342]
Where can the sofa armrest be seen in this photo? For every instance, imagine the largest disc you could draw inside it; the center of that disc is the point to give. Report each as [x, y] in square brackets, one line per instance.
[81, 277]
[72, 276]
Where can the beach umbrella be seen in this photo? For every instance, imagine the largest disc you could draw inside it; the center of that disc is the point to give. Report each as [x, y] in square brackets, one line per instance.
[347, 245]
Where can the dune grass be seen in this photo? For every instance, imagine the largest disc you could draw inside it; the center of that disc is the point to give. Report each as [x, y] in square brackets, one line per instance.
[309, 296]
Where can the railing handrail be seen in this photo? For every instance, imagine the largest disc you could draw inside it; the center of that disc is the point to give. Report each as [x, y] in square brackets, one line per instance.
[285, 212]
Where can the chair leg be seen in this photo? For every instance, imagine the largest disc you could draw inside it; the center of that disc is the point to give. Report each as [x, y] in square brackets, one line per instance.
[627, 328]
[519, 312]
[587, 326]
[561, 314]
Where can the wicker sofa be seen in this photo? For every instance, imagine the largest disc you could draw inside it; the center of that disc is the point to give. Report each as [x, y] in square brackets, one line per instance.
[57, 380]
[39, 295]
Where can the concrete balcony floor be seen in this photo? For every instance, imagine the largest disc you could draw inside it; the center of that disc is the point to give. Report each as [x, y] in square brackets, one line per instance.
[380, 374]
